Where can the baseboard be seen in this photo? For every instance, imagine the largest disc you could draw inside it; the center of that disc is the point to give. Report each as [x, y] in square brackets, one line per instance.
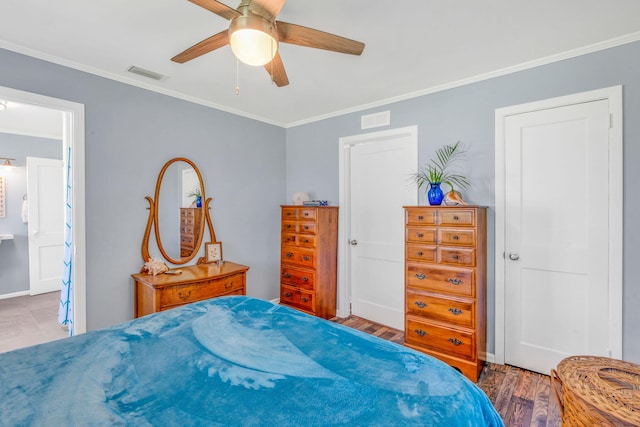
[488, 357]
[14, 294]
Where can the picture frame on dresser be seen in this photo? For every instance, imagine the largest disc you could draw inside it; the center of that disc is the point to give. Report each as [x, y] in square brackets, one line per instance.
[213, 252]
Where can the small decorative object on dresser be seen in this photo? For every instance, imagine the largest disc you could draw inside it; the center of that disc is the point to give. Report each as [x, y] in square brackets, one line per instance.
[309, 259]
[439, 171]
[213, 251]
[445, 284]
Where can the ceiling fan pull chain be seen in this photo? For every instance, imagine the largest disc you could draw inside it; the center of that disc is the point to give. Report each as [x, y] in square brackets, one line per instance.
[237, 76]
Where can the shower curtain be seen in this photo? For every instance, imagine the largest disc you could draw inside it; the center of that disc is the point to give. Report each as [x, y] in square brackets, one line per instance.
[65, 311]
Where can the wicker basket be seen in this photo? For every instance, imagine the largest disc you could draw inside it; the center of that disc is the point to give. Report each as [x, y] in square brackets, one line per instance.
[597, 391]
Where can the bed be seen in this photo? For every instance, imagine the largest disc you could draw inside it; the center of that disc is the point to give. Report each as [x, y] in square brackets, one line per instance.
[233, 361]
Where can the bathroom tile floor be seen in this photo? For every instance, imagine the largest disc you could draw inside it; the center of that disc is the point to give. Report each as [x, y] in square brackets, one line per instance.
[29, 320]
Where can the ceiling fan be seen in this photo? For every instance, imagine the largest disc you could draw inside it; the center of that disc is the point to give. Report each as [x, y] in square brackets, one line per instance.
[254, 34]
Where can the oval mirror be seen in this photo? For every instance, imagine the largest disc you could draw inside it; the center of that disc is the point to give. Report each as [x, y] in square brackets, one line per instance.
[179, 211]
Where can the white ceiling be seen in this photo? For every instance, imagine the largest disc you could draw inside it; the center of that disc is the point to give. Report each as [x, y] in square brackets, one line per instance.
[412, 47]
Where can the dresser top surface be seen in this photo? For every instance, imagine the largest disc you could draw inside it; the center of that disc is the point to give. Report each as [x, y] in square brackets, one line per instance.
[190, 274]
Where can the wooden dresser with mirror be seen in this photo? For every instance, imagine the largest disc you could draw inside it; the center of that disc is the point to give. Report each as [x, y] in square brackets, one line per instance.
[179, 231]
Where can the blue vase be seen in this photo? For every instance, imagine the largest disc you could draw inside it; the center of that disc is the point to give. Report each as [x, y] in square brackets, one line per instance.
[198, 202]
[435, 194]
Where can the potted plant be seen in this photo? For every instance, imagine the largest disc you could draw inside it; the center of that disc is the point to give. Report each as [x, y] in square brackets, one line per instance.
[439, 171]
[197, 195]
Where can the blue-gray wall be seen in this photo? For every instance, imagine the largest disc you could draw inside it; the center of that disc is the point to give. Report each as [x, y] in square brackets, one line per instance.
[14, 254]
[130, 134]
[250, 167]
[467, 114]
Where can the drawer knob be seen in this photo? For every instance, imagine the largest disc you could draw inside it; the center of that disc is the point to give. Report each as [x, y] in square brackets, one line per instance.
[456, 238]
[228, 285]
[288, 225]
[304, 299]
[305, 258]
[420, 276]
[420, 235]
[455, 257]
[420, 304]
[288, 254]
[420, 253]
[306, 214]
[420, 217]
[305, 279]
[455, 217]
[288, 294]
[455, 311]
[306, 240]
[306, 227]
[420, 332]
[184, 296]
[286, 275]
[455, 341]
[454, 281]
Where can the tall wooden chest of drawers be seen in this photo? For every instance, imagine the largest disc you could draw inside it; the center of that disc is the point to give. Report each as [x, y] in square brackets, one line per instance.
[190, 227]
[445, 284]
[308, 266]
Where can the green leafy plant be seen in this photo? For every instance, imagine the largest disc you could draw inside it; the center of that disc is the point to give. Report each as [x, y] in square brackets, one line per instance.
[439, 169]
[195, 193]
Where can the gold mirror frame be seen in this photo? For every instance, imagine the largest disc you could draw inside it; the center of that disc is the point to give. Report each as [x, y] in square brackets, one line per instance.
[153, 217]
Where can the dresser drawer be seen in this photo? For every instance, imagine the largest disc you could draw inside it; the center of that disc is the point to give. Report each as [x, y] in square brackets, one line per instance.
[184, 294]
[301, 278]
[307, 213]
[307, 240]
[421, 253]
[289, 226]
[457, 256]
[300, 256]
[297, 298]
[289, 213]
[453, 311]
[289, 238]
[457, 236]
[457, 217]
[456, 342]
[187, 242]
[424, 216]
[307, 227]
[457, 281]
[421, 235]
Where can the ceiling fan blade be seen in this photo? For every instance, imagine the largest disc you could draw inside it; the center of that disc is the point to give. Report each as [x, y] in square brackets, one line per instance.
[218, 8]
[205, 46]
[271, 7]
[303, 36]
[275, 68]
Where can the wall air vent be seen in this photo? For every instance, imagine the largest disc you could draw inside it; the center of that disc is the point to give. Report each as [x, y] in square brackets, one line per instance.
[147, 73]
[375, 120]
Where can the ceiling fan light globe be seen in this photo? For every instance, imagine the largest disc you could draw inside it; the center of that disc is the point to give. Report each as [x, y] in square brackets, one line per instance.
[251, 40]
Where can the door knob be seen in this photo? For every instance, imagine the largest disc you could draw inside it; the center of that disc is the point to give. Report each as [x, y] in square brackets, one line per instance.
[514, 256]
[353, 242]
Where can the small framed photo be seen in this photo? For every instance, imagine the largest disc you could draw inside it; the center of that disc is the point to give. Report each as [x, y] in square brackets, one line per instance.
[213, 251]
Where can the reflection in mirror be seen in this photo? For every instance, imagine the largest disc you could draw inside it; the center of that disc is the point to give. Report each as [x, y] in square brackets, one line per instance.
[179, 216]
[178, 213]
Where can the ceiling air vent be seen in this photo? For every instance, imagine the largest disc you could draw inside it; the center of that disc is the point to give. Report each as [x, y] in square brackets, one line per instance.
[147, 73]
[374, 120]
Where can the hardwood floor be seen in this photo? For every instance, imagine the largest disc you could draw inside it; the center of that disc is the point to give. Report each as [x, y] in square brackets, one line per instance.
[522, 398]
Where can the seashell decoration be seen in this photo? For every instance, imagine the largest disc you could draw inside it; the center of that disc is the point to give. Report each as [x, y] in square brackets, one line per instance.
[453, 198]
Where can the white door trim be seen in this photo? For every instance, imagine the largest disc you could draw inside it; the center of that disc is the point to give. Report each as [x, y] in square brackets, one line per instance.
[344, 286]
[73, 136]
[614, 97]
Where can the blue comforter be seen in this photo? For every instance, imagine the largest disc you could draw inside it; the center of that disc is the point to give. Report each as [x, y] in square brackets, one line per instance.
[233, 361]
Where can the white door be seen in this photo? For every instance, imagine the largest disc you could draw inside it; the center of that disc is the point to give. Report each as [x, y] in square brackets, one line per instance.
[379, 185]
[46, 224]
[556, 234]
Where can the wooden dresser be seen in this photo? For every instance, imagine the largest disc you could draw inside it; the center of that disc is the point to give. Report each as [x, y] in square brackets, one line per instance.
[445, 284]
[195, 283]
[190, 228]
[308, 268]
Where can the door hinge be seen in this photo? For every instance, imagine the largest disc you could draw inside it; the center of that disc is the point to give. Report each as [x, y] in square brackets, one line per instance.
[610, 120]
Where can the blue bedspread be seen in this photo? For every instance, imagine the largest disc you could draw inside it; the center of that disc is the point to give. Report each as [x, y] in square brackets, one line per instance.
[233, 361]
